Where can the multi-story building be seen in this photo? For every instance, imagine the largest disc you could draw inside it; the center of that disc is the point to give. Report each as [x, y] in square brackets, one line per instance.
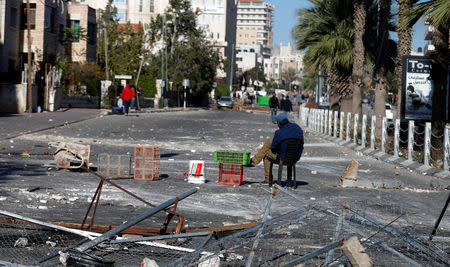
[283, 58]
[254, 24]
[82, 16]
[218, 19]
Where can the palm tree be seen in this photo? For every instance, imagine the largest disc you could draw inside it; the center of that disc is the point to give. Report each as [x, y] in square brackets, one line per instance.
[403, 46]
[382, 61]
[437, 14]
[359, 23]
[326, 30]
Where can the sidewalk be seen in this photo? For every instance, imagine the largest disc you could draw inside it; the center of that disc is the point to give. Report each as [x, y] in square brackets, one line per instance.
[13, 125]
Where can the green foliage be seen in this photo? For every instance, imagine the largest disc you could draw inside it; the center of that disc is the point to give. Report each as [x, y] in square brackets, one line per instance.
[148, 84]
[289, 76]
[222, 90]
[74, 34]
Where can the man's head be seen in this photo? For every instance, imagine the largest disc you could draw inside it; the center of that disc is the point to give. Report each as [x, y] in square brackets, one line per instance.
[282, 119]
[274, 94]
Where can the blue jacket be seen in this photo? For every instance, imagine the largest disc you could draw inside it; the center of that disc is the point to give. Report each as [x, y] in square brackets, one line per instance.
[287, 131]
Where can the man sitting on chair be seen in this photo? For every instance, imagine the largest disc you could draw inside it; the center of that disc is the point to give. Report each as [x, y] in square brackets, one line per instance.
[269, 151]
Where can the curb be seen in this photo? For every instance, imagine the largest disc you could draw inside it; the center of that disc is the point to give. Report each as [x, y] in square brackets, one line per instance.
[389, 158]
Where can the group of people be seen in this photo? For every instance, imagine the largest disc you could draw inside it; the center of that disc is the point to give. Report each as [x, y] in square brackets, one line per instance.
[285, 105]
[125, 101]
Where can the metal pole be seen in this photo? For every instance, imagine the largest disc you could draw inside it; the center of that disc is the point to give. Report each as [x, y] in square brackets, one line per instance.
[330, 121]
[106, 52]
[184, 98]
[363, 131]
[163, 82]
[341, 126]
[347, 129]
[383, 134]
[410, 139]
[355, 129]
[258, 235]
[135, 220]
[427, 147]
[159, 237]
[30, 69]
[313, 254]
[335, 124]
[436, 225]
[336, 235]
[396, 136]
[446, 147]
[372, 132]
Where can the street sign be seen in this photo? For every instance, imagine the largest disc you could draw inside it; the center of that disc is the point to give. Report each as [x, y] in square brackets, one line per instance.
[185, 82]
[123, 77]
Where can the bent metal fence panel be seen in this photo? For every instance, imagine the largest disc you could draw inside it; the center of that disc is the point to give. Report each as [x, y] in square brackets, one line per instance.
[305, 232]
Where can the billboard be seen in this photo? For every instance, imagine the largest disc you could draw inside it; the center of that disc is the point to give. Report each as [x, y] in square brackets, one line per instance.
[417, 88]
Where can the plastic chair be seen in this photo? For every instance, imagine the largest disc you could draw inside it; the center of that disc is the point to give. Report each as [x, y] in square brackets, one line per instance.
[293, 144]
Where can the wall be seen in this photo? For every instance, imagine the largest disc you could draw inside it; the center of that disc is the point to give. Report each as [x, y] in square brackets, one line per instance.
[13, 98]
[79, 101]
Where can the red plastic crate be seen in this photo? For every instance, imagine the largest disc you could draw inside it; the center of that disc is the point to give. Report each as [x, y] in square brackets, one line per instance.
[146, 163]
[230, 174]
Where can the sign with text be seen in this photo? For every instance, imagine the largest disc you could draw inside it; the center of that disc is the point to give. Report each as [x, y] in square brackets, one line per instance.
[417, 88]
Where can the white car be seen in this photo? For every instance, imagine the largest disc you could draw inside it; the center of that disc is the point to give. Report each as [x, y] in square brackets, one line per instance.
[389, 114]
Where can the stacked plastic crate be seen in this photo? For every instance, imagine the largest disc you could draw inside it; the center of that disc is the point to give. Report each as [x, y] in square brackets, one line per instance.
[146, 163]
[231, 166]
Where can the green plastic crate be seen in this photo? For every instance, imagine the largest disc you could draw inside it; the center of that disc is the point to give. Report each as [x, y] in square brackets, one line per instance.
[232, 157]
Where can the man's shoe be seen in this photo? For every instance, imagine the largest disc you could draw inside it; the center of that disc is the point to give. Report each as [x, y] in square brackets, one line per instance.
[250, 164]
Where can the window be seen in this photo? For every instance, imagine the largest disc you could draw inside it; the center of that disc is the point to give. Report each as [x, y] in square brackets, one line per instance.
[218, 35]
[61, 32]
[213, 2]
[24, 19]
[119, 2]
[49, 21]
[13, 18]
[121, 15]
[76, 26]
[219, 2]
[152, 6]
[213, 18]
[212, 35]
[92, 33]
[140, 5]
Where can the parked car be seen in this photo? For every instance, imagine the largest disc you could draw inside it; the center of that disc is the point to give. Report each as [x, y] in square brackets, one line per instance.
[225, 102]
[389, 114]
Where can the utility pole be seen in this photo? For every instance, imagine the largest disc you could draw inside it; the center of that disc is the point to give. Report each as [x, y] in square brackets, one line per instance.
[232, 69]
[106, 41]
[29, 80]
[162, 58]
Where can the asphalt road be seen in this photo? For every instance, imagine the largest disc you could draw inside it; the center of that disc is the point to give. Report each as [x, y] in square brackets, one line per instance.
[413, 200]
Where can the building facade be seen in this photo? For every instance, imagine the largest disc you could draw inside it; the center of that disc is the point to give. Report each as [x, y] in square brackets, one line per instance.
[254, 23]
[82, 16]
[283, 57]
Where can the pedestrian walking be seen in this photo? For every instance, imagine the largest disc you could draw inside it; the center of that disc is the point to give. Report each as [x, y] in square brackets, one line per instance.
[274, 104]
[126, 98]
[286, 105]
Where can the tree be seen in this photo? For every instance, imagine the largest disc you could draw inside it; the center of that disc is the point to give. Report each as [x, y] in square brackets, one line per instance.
[359, 23]
[289, 76]
[403, 46]
[254, 74]
[191, 56]
[382, 61]
[326, 31]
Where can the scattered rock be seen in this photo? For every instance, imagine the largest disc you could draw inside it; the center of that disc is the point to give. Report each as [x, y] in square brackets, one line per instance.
[21, 242]
[50, 243]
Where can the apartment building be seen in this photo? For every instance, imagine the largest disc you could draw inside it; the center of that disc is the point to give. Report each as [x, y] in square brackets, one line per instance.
[254, 24]
[82, 16]
[218, 19]
[283, 57]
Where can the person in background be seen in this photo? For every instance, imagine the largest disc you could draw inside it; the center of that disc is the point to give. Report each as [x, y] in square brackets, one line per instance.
[126, 98]
[133, 97]
[118, 107]
[274, 105]
[286, 105]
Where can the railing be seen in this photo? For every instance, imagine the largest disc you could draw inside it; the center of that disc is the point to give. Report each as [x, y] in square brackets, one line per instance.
[416, 142]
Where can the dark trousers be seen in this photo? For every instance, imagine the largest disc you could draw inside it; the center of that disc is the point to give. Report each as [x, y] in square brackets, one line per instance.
[126, 104]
